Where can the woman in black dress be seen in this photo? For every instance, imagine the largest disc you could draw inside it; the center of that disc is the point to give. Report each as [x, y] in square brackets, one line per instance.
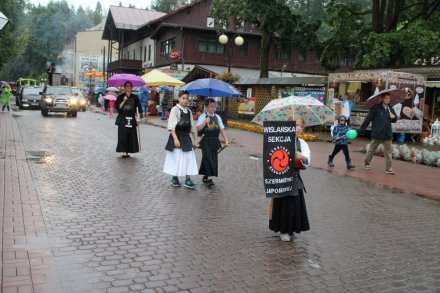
[288, 214]
[209, 127]
[126, 104]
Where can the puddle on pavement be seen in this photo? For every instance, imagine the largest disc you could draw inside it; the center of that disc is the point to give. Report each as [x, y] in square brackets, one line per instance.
[40, 157]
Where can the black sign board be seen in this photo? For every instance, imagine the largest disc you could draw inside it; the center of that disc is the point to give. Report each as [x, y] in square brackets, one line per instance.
[278, 157]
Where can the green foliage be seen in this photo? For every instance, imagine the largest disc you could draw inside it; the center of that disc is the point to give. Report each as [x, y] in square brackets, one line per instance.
[403, 33]
[273, 18]
[39, 37]
[229, 77]
[13, 10]
[167, 5]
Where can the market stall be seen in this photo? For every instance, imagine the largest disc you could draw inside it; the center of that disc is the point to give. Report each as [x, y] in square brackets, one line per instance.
[360, 85]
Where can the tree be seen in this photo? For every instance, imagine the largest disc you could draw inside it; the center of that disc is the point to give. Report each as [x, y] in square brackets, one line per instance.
[97, 14]
[386, 33]
[167, 5]
[275, 19]
[13, 9]
[40, 37]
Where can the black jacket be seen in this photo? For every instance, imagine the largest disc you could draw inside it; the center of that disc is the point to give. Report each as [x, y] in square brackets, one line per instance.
[381, 122]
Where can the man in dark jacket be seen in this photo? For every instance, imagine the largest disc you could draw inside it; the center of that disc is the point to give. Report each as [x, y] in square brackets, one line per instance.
[381, 115]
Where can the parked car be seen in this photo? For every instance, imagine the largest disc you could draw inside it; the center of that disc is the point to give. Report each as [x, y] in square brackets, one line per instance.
[82, 101]
[29, 97]
[22, 82]
[58, 99]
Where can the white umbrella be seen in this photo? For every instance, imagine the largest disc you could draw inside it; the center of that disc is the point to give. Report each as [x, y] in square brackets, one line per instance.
[112, 89]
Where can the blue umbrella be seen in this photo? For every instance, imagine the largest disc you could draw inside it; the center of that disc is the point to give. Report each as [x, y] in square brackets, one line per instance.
[101, 90]
[211, 87]
[165, 88]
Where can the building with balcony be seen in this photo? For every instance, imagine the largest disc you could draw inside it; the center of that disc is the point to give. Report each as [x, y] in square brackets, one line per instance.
[192, 32]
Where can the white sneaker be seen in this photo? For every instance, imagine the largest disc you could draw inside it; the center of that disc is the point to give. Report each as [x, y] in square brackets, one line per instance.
[285, 237]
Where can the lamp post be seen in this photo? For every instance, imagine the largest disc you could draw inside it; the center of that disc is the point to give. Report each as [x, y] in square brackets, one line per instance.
[224, 40]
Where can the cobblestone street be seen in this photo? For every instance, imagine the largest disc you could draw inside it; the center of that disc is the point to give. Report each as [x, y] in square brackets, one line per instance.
[79, 218]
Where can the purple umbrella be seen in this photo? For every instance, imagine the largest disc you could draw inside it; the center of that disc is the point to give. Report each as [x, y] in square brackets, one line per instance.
[120, 78]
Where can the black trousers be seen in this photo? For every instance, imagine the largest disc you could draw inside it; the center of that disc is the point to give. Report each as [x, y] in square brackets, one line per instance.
[338, 148]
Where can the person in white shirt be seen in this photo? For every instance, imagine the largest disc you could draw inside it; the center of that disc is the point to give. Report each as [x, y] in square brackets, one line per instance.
[180, 159]
[209, 127]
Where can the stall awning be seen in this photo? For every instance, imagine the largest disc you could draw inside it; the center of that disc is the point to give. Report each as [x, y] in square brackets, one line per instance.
[433, 84]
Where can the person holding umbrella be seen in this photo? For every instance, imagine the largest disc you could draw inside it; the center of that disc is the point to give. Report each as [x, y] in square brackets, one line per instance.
[288, 214]
[381, 115]
[126, 104]
[180, 159]
[209, 127]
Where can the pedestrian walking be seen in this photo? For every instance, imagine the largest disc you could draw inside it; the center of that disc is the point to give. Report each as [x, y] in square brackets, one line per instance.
[111, 108]
[341, 142]
[145, 96]
[127, 103]
[180, 158]
[5, 97]
[288, 214]
[164, 104]
[209, 127]
[381, 116]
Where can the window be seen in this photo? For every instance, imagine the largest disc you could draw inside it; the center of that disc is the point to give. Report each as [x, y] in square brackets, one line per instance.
[282, 54]
[145, 53]
[302, 55]
[244, 49]
[134, 54]
[166, 46]
[149, 52]
[318, 53]
[210, 45]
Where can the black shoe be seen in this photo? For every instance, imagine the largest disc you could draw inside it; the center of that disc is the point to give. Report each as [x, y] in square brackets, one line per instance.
[205, 179]
[210, 183]
[330, 162]
[350, 165]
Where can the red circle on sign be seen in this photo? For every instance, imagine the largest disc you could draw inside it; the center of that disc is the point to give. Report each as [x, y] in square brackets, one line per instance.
[279, 160]
[174, 54]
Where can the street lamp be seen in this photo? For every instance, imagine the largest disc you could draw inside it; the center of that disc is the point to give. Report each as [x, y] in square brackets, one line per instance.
[224, 40]
[3, 20]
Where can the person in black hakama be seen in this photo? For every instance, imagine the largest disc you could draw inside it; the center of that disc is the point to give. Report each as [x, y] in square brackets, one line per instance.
[288, 214]
[209, 127]
[180, 159]
[126, 104]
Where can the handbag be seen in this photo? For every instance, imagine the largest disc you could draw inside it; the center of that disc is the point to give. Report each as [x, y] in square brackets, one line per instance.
[118, 119]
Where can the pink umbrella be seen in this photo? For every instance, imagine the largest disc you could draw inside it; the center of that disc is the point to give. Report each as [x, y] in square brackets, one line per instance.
[110, 97]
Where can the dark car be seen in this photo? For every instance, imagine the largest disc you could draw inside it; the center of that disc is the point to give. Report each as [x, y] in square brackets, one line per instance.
[81, 100]
[58, 99]
[29, 97]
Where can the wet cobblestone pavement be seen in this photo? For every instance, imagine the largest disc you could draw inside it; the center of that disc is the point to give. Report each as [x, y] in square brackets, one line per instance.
[116, 225]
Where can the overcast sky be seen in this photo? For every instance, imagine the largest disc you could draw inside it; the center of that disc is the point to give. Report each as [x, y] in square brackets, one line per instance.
[104, 3]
